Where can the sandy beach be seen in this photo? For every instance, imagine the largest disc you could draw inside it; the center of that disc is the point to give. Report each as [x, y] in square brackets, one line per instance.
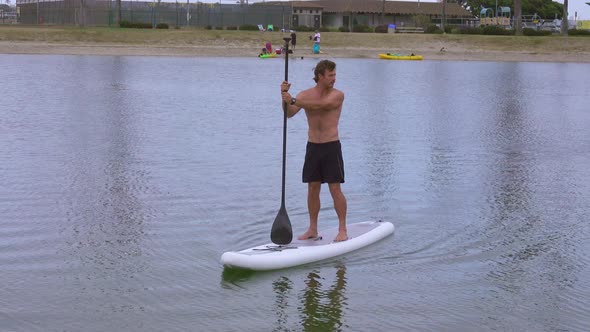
[203, 43]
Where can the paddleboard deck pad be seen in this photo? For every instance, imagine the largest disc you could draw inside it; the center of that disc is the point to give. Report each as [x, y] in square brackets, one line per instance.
[272, 256]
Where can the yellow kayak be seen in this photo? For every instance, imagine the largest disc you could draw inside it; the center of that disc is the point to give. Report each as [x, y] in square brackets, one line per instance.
[391, 56]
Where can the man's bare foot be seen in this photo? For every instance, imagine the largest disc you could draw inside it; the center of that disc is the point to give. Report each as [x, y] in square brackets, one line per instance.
[342, 236]
[310, 234]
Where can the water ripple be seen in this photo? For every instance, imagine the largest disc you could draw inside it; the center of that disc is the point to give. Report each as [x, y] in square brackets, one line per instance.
[123, 184]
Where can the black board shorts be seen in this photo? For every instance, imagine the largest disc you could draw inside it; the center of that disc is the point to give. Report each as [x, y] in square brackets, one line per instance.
[323, 163]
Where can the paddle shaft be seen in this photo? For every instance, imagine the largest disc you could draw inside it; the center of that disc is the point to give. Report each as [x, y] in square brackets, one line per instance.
[281, 232]
[285, 111]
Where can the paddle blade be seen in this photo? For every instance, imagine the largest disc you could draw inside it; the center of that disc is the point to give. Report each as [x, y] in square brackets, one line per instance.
[281, 232]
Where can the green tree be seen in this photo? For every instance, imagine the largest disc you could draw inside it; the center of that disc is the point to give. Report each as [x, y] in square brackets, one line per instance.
[543, 8]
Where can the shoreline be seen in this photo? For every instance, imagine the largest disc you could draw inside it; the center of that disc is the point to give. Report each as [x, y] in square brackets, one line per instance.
[225, 43]
[101, 49]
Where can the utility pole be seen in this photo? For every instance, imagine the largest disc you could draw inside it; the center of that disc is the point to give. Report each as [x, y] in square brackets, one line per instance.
[564, 23]
[383, 13]
[119, 17]
[496, 13]
[444, 15]
[518, 17]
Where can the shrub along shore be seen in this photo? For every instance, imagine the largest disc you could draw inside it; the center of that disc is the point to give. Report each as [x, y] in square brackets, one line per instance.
[232, 43]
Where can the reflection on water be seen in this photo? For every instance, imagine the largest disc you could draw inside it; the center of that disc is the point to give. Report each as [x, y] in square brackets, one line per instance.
[529, 247]
[322, 309]
[318, 298]
[104, 205]
[282, 288]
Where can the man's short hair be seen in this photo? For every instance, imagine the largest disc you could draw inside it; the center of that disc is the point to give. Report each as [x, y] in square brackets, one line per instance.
[321, 68]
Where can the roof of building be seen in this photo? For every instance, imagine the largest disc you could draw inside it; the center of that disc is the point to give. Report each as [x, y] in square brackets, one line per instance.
[380, 6]
[295, 4]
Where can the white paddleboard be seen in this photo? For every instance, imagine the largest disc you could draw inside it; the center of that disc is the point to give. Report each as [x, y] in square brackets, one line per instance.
[272, 257]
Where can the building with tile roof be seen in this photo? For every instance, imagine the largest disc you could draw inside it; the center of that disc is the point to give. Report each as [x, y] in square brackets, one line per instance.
[346, 13]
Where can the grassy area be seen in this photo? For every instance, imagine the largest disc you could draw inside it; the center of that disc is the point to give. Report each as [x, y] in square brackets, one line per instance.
[330, 40]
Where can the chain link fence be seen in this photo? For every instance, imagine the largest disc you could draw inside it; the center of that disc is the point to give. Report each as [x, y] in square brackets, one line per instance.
[175, 14]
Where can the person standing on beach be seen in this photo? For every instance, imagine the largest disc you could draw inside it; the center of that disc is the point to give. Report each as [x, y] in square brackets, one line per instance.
[316, 42]
[316, 37]
[293, 39]
[323, 157]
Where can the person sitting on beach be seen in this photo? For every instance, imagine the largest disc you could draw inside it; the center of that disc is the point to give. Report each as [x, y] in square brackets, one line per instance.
[267, 49]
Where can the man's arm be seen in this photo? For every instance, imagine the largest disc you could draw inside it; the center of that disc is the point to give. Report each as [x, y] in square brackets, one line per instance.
[331, 102]
[292, 109]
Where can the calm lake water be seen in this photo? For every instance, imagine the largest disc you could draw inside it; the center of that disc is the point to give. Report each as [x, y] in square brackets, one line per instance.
[124, 179]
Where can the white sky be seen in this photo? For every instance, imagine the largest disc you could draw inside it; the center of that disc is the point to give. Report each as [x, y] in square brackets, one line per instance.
[574, 5]
[580, 6]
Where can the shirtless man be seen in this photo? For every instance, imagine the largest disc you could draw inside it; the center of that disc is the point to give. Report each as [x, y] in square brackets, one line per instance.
[323, 158]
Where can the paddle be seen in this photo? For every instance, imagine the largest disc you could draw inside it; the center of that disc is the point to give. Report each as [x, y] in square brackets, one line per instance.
[281, 232]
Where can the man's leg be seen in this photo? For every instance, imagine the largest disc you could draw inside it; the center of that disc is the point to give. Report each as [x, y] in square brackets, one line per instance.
[340, 207]
[313, 206]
